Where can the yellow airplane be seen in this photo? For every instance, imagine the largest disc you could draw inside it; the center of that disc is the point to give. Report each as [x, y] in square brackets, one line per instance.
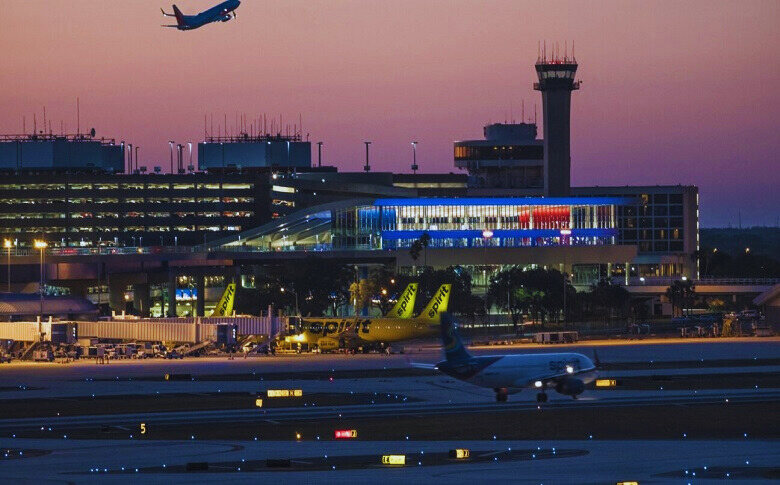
[225, 306]
[404, 307]
[334, 333]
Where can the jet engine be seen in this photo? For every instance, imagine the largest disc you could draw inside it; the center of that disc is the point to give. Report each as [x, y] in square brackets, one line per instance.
[226, 18]
[570, 386]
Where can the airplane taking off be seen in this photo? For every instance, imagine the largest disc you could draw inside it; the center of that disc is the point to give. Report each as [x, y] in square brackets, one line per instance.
[331, 333]
[509, 374]
[221, 13]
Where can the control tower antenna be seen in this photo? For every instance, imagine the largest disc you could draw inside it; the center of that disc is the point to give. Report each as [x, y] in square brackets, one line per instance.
[556, 82]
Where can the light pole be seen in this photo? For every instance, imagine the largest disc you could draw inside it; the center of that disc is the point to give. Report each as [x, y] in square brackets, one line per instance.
[170, 144]
[41, 245]
[486, 235]
[414, 157]
[7, 245]
[295, 294]
[367, 167]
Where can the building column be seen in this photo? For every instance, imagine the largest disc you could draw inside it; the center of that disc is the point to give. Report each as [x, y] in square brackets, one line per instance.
[116, 294]
[171, 294]
[628, 272]
[141, 299]
[200, 287]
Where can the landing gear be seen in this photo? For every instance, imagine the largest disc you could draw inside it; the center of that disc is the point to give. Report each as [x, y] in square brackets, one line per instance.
[541, 397]
[501, 394]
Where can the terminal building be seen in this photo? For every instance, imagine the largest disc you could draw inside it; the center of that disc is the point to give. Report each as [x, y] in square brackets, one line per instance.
[257, 199]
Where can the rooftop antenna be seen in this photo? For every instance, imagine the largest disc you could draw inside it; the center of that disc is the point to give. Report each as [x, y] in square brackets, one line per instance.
[538, 50]
[44, 118]
[573, 57]
[522, 110]
[565, 51]
[534, 113]
[319, 154]
[24, 125]
[205, 126]
[35, 125]
[78, 116]
[544, 51]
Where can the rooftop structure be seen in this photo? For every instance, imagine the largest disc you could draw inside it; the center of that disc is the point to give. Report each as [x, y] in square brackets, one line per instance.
[254, 152]
[59, 153]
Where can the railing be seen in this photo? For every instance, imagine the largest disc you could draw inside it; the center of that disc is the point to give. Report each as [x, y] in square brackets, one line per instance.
[102, 251]
[668, 280]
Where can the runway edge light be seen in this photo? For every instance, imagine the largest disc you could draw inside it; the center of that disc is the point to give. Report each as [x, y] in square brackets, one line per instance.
[394, 459]
[627, 483]
[258, 402]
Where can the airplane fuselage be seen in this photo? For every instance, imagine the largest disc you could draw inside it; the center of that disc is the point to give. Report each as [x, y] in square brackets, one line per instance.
[515, 372]
[365, 329]
[219, 13]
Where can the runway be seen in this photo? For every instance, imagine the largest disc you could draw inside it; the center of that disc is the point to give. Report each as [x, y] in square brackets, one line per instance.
[649, 430]
[386, 410]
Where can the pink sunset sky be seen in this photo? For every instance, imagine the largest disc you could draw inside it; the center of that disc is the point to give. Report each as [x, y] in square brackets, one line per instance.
[674, 92]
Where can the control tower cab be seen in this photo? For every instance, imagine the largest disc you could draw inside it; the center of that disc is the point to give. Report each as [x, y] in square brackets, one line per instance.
[556, 82]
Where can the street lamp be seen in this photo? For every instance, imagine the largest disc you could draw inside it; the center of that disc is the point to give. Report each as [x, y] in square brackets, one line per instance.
[367, 166]
[41, 245]
[414, 157]
[7, 245]
[295, 294]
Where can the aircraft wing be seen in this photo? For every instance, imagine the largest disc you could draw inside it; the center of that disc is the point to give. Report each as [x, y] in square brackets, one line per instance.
[420, 365]
[544, 378]
[174, 26]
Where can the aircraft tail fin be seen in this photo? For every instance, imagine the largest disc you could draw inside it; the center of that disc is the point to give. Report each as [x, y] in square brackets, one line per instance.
[179, 16]
[438, 304]
[225, 306]
[404, 307]
[451, 342]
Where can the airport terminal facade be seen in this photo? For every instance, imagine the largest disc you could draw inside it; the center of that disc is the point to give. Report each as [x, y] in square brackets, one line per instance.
[259, 196]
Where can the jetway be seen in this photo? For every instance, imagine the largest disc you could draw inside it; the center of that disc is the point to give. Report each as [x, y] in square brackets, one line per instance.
[179, 330]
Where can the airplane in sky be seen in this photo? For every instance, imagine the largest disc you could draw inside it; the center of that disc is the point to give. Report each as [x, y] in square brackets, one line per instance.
[331, 333]
[566, 373]
[221, 13]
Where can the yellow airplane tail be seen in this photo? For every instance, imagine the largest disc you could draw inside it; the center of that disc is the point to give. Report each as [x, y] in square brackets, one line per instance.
[404, 307]
[437, 305]
[225, 306]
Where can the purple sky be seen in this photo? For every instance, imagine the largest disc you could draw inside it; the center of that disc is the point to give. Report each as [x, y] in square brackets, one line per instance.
[673, 91]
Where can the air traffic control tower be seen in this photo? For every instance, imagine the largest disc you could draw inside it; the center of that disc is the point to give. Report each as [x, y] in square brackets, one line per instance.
[556, 82]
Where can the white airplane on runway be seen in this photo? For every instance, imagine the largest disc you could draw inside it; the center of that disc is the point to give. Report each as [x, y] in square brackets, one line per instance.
[567, 373]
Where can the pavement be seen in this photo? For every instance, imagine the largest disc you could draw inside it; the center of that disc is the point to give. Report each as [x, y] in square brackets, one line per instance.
[67, 460]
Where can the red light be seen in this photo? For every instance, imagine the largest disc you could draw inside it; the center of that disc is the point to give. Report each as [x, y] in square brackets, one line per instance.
[346, 433]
